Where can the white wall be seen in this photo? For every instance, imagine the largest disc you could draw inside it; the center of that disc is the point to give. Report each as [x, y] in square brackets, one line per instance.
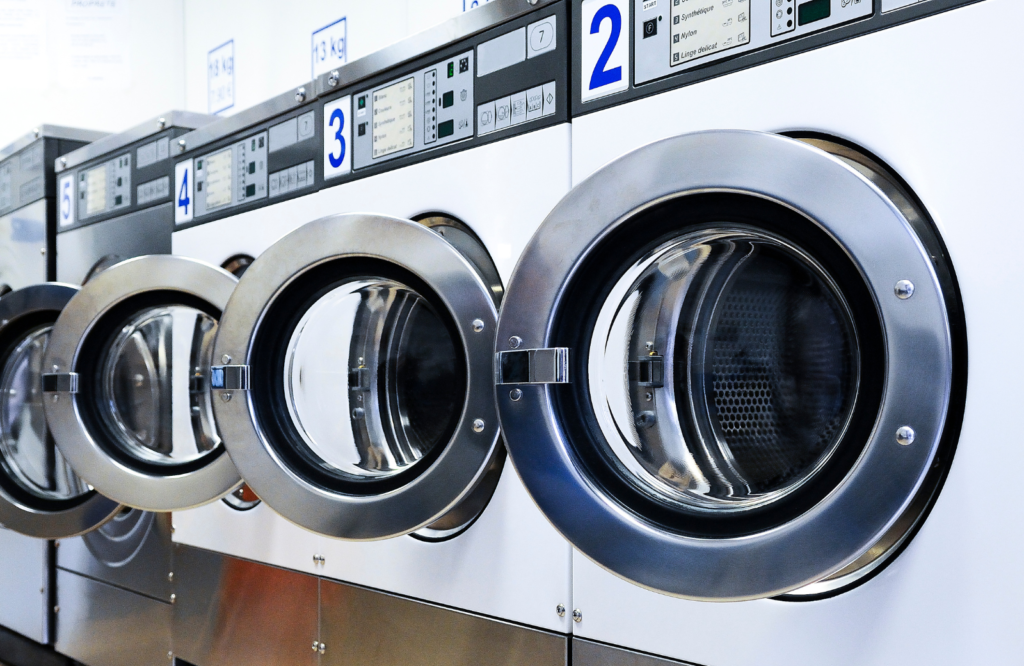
[273, 40]
[57, 68]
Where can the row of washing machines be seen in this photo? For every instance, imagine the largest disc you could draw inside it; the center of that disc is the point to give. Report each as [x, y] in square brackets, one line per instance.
[523, 341]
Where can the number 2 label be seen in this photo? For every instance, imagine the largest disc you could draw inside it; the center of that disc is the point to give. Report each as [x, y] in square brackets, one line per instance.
[337, 137]
[604, 48]
[184, 210]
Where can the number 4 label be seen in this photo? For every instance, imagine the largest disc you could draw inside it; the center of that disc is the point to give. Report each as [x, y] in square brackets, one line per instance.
[604, 48]
[184, 209]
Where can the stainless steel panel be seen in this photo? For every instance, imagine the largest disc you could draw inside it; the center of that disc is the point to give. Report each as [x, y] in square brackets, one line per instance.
[362, 627]
[132, 551]
[144, 232]
[50, 132]
[586, 653]
[103, 625]
[231, 612]
[112, 142]
[23, 246]
[23, 585]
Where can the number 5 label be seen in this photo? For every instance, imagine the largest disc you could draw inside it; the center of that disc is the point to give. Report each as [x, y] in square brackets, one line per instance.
[604, 48]
[337, 137]
[66, 200]
[184, 209]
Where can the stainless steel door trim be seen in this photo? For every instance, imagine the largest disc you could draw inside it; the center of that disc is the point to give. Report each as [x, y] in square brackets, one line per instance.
[464, 461]
[885, 479]
[113, 478]
[47, 519]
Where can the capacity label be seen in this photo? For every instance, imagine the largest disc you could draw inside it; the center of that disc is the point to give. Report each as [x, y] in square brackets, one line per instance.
[702, 27]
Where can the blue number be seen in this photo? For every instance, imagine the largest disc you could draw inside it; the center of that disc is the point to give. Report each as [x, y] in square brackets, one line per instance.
[65, 201]
[602, 76]
[338, 115]
[183, 200]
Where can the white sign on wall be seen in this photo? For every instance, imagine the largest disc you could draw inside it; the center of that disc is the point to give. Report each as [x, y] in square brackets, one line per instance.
[220, 77]
[330, 47]
[93, 44]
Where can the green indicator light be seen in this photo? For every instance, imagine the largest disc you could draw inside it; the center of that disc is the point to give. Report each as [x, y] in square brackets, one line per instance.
[451, 69]
[812, 11]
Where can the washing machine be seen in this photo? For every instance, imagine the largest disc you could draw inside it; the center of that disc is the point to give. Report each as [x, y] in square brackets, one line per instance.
[352, 378]
[113, 599]
[732, 364]
[28, 212]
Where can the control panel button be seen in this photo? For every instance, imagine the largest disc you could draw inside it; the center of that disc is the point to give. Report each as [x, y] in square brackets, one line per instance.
[485, 118]
[783, 20]
[306, 126]
[540, 37]
[274, 184]
[550, 98]
[519, 108]
[535, 103]
[502, 112]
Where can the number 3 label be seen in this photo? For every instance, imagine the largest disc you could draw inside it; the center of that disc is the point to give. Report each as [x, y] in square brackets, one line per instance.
[604, 48]
[184, 209]
[337, 137]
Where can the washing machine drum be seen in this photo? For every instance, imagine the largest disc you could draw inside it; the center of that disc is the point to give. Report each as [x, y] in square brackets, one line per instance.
[40, 495]
[731, 365]
[356, 390]
[126, 377]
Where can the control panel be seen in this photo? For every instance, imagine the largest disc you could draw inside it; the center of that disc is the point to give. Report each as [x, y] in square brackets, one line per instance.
[22, 178]
[231, 176]
[427, 108]
[106, 187]
[675, 35]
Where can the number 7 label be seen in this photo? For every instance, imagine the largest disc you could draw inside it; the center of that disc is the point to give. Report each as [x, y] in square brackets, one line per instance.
[604, 48]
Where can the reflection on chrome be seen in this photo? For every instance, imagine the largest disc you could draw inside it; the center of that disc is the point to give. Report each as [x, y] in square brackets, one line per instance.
[723, 369]
[371, 379]
[28, 452]
[154, 385]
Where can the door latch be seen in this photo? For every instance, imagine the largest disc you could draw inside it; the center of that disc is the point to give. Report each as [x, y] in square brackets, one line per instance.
[230, 377]
[534, 366]
[60, 382]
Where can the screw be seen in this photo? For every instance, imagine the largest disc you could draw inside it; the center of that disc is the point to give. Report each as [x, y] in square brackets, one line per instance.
[173, 528]
[36, 132]
[333, 79]
[516, 395]
[560, 609]
[226, 396]
[322, 649]
[181, 145]
[225, 359]
[531, 2]
[161, 123]
[63, 162]
[42, 251]
[577, 615]
[170, 576]
[300, 94]
[515, 341]
[478, 325]
[905, 436]
[904, 289]
[56, 609]
[316, 646]
[170, 655]
[478, 425]
[174, 598]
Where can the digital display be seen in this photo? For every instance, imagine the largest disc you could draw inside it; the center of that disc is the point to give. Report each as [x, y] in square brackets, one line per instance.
[218, 179]
[812, 11]
[96, 190]
[393, 118]
[702, 27]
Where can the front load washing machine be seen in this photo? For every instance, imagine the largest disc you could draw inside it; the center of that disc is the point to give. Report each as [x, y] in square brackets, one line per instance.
[732, 363]
[28, 219]
[354, 387]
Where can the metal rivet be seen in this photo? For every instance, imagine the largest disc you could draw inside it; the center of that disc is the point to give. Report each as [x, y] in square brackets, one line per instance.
[316, 645]
[42, 251]
[905, 436]
[516, 395]
[478, 325]
[174, 598]
[36, 132]
[333, 78]
[181, 145]
[323, 648]
[226, 396]
[225, 359]
[577, 615]
[170, 576]
[63, 161]
[560, 609]
[904, 289]
[161, 123]
[515, 341]
[478, 425]
[300, 94]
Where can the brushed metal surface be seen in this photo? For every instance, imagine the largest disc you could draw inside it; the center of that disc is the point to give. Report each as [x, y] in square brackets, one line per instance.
[102, 146]
[50, 132]
[232, 612]
[22, 239]
[133, 551]
[588, 653]
[146, 231]
[23, 585]
[360, 627]
[103, 625]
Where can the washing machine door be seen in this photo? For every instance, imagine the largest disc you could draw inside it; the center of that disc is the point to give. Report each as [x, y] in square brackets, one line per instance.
[40, 495]
[127, 383]
[730, 366]
[356, 391]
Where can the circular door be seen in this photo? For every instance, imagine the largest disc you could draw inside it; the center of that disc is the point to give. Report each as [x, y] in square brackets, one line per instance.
[356, 392]
[127, 383]
[731, 365]
[40, 495]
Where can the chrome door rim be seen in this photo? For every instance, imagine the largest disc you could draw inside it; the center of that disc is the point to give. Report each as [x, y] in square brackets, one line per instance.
[458, 468]
[134, 487]
[841, 527]
[15, 514]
